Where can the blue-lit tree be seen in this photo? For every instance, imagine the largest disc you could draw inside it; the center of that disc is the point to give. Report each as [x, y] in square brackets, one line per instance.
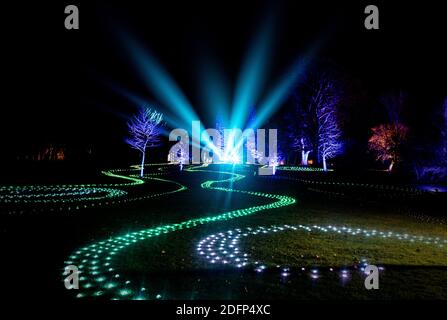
[327, 101]
[302, 126]
[179, 154]
[314, 127]
[145, 129]
[435, 170]
[444, 135]
[276, 161]
[221, 143]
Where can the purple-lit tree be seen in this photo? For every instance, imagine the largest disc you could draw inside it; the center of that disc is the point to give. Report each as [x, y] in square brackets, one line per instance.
[221, 141]
[180, 154]
[329, 132]
[315, 128]
[444, 135]
[145, 129]
[276, 161]
[302, 126]
[435, 169]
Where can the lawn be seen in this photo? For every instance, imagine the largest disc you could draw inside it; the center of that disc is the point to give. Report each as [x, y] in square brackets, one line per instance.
[167, 265]
[412, 270]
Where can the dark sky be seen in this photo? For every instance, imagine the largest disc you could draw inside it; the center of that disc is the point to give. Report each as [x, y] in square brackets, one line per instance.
[56, 82]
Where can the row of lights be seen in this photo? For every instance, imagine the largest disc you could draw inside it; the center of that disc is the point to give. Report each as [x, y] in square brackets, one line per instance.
[55, 194]
[346, 184]
[302, 168]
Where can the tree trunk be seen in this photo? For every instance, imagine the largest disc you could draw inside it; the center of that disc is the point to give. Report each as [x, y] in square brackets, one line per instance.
[304, 157]
[142, 164]
[390, 168]
[324, 164]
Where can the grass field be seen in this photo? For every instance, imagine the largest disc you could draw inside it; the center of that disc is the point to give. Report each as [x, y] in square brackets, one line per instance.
[167, 266]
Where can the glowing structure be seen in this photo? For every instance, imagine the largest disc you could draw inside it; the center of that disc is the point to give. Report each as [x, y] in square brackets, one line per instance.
[144, 130]
[386, 141]
[231, 151]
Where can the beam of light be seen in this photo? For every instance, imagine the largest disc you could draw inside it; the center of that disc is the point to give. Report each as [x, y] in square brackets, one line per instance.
[252, 75]
[214, 91]
[209, 145]
[250, 82]
[277, 95]
[291, 78]
[159, 81]
[141, 102]
[167, 91]
[164, 88]
[281, 90]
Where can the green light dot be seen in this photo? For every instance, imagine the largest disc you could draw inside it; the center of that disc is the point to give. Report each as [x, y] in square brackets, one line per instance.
[125, 292]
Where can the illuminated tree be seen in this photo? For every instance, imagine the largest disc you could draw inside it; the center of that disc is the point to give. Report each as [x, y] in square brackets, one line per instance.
[221, 141]
[276, 161]
[444, 135]
[302, 125]
[252, 149]
[386, 141]
[145, 129]
[180, 154]
[436, 169]
[315, 127]
[329, 132]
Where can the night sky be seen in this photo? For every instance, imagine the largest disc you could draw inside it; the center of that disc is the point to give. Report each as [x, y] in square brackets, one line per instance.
[62, 86]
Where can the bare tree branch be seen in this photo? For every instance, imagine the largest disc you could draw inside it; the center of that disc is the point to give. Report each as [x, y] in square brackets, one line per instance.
[144, 130]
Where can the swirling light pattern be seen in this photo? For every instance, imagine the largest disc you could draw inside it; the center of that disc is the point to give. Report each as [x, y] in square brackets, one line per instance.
[76, 197]
[99, 278]
[95, 261]
[224, 248]
[55, 194]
